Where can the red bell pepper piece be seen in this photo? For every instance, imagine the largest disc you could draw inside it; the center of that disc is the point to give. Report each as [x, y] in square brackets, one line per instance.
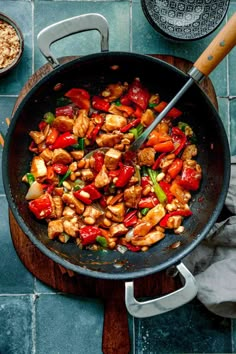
[100, 104]
[173, 112]
[156, 164]
[42, 125]
[88, 234]
[99, 123]
[186, 212]
[59, 168]
[132, 124]
[130, 247]
[103, 201]
[64, 111]
[99, 160]
[126, 172]
[52, 136]
[80, 97]
[113, 174]
[148, 202]
[166, 188]
[190, 179]
[138, 94]
[175, 168]
[178, 137]
[41, 207]
[125, 100]
[138, 112]
[92, 191]
[64, 140]
[145, 181]
[82, 198]
[33, 147]
[130, 219]
[166, 146]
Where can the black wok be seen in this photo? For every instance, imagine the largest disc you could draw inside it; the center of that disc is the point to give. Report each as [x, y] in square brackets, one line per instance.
[93, 72]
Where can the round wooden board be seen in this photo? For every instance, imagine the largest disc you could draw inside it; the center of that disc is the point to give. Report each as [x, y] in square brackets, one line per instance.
[112, 292]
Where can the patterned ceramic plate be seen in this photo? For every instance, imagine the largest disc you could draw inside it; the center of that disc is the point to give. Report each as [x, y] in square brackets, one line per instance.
[185, 19]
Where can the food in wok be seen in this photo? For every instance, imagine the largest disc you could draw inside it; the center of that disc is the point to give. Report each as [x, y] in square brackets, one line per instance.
[90, 188]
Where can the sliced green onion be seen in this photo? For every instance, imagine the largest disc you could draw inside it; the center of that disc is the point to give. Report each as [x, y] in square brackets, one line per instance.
[137, 131]
[117, 103]
[102, 241]
[157, 189]
[49, 117]
[144, 211]
[78, 184]
[152, 105]
[80, 145]
[66, 175]
[30, 178]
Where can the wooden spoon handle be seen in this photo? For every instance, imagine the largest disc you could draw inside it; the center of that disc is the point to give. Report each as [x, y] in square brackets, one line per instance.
[218, 48]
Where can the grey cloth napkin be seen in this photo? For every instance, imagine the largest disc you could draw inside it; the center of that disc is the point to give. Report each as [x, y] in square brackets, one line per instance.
[213, 262]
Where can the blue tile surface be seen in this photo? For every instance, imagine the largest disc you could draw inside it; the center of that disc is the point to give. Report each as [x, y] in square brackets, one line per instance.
[67, 324]
[16, 334]
[189, 329]
[36, 319]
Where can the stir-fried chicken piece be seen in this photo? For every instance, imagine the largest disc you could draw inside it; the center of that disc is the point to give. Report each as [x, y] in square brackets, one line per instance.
[69, 199]
[146, 156]
[38, 167]
[102, 179]
[81, 124]
[132, 196]
[112, 159]
[61, 156]
[68, 212]
[189, 152]
[72, 226]
[113, 91]
[118, 230]
[109, 139]
[46, 154]
[57, 206]
[63, 124]
[155, 214]
[55, 228]
[92, 212]
[37, 136]
[149, 239]
[117, 212]
[147, 118]
[114, 122]
[87, 174]
[142, 228]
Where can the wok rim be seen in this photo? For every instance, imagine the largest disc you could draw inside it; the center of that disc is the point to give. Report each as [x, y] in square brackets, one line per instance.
[83, 270]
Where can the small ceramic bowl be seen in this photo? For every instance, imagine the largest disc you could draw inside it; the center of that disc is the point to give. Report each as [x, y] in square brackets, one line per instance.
[11, 44]
[185, 20]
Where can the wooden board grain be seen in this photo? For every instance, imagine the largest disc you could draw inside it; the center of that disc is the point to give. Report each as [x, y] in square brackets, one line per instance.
[111, 291]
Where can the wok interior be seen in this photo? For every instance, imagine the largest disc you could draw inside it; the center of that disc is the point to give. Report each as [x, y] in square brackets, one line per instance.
[94, 72]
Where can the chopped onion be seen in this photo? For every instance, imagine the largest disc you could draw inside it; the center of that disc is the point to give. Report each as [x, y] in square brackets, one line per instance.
[34, 191]
[122, 249]
[129, 235]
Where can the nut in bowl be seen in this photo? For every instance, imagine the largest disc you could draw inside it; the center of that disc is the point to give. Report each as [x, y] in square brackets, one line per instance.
[11, 43]
[185, 20]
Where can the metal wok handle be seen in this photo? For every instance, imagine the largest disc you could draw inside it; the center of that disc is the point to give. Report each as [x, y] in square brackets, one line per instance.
[165, 303]
[71, 26]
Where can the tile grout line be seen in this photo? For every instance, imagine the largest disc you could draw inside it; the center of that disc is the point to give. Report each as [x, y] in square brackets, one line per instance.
[33, 324]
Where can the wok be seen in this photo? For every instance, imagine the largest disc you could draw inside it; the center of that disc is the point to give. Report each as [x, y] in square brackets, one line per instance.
[93, 72]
